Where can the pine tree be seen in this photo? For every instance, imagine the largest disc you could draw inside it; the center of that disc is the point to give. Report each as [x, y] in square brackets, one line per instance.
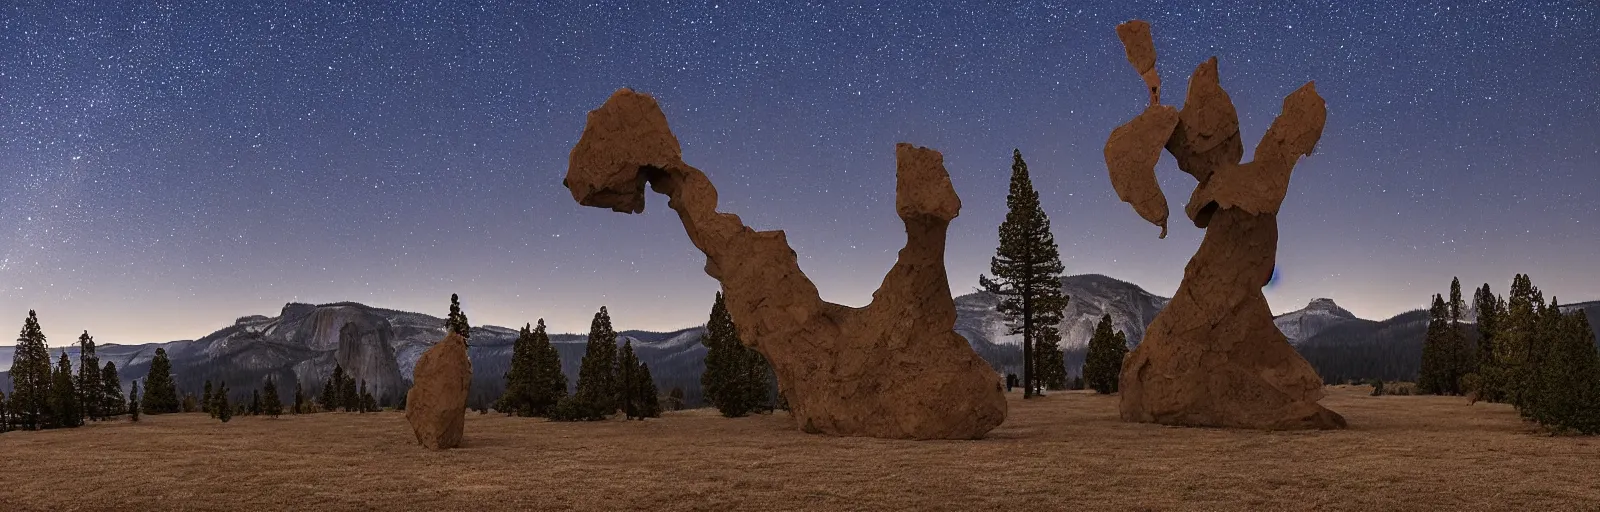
[1566, 372]
[220, 403]
[31, 376]
[1490, 375]
[1541, 390]
[134, 404]
[1102, 366]
[205, 399]
[521, 380]
[67, 411]
[627, 381]
[299, 398]
[649, 405]
[457, 321]
[5, 413]
[1027, 271]
[255, 403]
[361, 397]
[328, 400]
[550, 384]
[271, 404]
[1514, 344]
[1049, 360]
[89, 389]
[597, 376]
[723, 354]
[1457, 357]
[160, 392]
[189, 403]
[349, 398]
[111, 399]
[737, 379]
[1434, 372]
[597, 388]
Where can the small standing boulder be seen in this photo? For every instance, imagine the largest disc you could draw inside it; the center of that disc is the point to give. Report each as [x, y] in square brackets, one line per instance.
[436, 406]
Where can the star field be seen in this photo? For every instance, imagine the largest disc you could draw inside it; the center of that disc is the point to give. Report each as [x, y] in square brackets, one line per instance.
[168, 166]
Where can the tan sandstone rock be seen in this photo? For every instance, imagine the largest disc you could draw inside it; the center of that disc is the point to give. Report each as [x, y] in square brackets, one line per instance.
[436, 406]
[893, 369]
[1213, 357]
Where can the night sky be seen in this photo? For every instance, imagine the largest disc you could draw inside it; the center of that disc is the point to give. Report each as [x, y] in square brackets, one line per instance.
[166, 167]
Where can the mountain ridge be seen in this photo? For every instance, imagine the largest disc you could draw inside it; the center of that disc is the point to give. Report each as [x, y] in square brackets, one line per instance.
[381, 345]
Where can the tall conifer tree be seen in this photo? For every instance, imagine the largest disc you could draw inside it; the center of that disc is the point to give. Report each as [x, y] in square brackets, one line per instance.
[1435, 369]
[111, 399]
[31, 376]
[299, 398]
[645, 389]
[349, 396]
[596, 396]
[723, 354]
[628, 381]
[220, 402]
[550, 384]
[1027, 271]
[1049, 360]
[1490, 374]
[1102, 366]
[271, 404]
[521, 379]
[65, 409]
[160, 392]
[737, 379]
[89, 390]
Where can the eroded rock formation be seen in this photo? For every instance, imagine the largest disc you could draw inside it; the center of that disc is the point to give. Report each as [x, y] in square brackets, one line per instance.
[436, 406]
[893, 369]
[1213, 357]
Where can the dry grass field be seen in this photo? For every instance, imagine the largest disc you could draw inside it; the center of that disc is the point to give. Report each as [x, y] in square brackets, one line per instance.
[1067, 451]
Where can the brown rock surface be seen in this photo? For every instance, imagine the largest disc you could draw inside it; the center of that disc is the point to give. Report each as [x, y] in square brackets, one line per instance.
[893, 369]
[1213, 357]
[436, 406]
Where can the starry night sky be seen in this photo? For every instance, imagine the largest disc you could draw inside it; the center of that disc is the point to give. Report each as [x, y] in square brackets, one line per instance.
[168, 166]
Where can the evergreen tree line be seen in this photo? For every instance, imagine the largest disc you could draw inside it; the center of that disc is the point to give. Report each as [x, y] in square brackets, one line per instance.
[609, 380]
[1359, 351]
[1528, 354]
[45, 396]
[341, 391]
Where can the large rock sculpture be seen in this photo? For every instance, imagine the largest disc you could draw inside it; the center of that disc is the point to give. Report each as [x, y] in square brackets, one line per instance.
[436, 406]
[893, 369]
[1214, 357]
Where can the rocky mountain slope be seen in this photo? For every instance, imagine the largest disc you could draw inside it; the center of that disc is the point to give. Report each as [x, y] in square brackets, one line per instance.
[1316, 317]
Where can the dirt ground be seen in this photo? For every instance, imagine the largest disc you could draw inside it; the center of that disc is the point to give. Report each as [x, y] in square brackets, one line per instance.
[1066, 451]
